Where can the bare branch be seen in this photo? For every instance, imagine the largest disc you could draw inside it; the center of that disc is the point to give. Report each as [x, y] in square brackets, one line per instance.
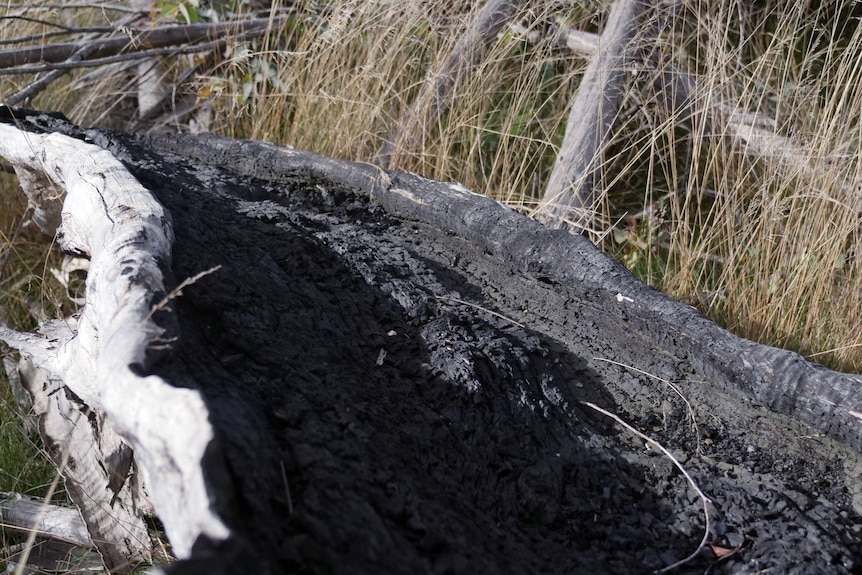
[16, 60]
[571, 190]
[29, 514]
[97, 5]
[65, 32]
[435, 95]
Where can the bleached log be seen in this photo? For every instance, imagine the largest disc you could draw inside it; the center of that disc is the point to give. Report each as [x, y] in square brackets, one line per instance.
[571, 191]
[101, 359]
[53, 521]
[436, 93]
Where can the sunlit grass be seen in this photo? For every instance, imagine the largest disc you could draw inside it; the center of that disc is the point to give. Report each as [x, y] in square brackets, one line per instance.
[762, 240]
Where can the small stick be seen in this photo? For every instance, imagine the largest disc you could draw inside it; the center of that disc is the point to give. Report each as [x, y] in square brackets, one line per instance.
[286, 488]
[178, 291]
[667, 383]
[704, 499]
[486, 310]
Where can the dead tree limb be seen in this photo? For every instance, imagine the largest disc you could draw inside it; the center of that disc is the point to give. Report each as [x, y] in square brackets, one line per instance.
[571, 192]
[437, 92]
[27, 514]
[92, 365]
[38, 86]
[130, 41]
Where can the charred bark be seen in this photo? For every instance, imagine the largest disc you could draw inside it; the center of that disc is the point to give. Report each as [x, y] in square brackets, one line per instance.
[394, 371]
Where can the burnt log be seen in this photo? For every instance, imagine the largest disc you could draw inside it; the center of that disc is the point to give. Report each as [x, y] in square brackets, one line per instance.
[396, 374]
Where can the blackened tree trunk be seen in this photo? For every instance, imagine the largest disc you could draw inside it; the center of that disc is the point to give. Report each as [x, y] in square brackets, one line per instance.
[394, 372]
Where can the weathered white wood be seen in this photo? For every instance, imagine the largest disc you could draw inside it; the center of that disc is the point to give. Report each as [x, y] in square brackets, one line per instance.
[27, 513]
[108, 216]
[97, 466]
[571, 190]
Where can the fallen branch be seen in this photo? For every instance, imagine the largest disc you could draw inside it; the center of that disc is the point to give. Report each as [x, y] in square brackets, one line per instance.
[572, 188]
[436, 93]
[127, 41]
[37, 86]
[110, 217]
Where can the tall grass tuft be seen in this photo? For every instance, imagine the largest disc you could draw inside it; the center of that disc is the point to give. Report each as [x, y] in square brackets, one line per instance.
[759, 229]
[761, 234]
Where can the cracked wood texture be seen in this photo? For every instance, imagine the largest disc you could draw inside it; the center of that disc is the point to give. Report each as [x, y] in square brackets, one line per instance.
[393, 370]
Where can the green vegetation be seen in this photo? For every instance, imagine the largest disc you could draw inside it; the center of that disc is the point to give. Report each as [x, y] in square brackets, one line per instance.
[23, 468]
[759, 229]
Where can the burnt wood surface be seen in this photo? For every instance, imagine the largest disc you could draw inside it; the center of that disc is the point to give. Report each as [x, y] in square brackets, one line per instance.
[396, 369]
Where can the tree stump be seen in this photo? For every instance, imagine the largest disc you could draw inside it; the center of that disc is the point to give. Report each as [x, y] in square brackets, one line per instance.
[322, 366]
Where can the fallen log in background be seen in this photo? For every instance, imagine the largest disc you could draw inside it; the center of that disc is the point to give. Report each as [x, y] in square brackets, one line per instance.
[394, 372]
[27, 514]
[126, 42]
[570, 197]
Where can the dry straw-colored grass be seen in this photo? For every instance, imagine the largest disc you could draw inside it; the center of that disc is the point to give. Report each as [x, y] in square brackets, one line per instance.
[766, 244]
[763, 240]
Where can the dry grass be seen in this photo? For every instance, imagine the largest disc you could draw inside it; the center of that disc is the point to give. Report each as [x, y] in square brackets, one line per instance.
[764, 243]
[760, 238]
[773, 255]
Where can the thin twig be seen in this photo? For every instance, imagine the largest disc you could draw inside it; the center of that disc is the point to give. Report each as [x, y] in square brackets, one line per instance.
[667, 383]
[486, 310]
[38, 21]
[178, 291]
[286, 488]
[703, 498]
